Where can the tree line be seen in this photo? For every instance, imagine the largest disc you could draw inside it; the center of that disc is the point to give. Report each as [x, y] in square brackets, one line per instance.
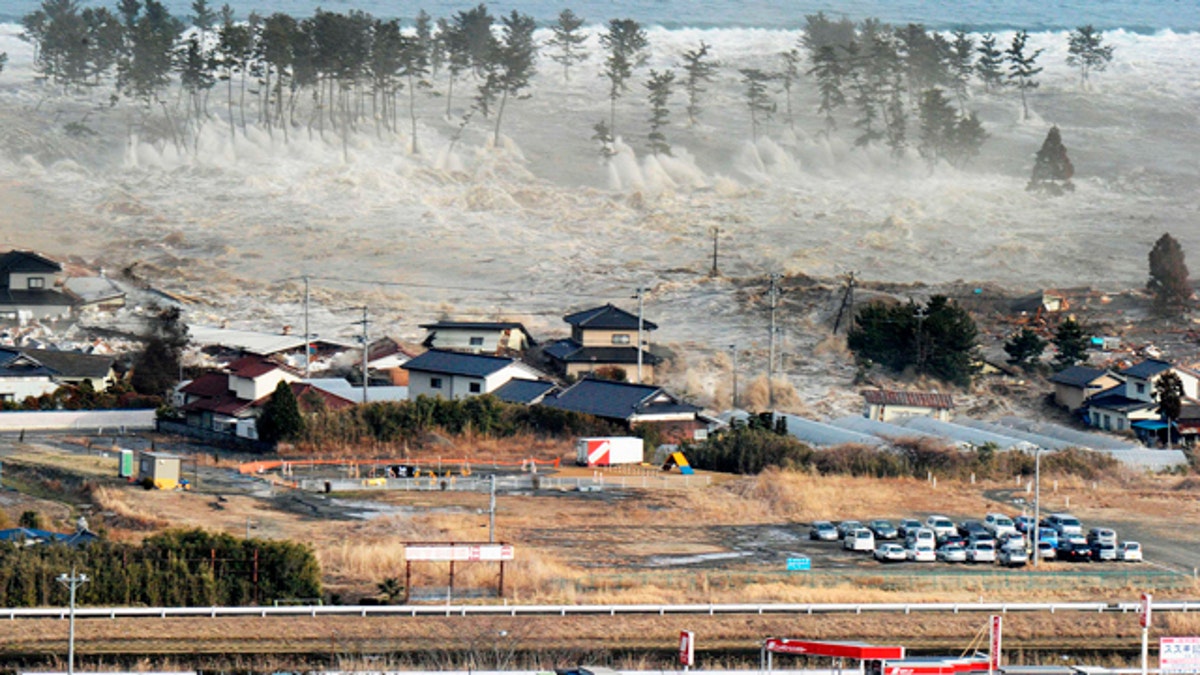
[339, 73]
[179, 568]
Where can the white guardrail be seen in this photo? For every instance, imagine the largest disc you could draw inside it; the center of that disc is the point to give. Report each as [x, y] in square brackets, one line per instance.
[613, 610]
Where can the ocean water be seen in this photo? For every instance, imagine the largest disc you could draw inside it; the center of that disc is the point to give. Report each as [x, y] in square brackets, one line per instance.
[1142, 16]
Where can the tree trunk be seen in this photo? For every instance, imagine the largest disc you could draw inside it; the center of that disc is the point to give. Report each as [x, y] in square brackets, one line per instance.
[412, 114]
[449, 94]
[229, 104]
[499, 116]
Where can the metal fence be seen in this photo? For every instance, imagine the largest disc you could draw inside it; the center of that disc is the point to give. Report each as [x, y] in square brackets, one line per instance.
[503, 483]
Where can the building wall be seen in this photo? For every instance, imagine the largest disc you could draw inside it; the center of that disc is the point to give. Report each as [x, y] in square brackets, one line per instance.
[1073, 398]
[1190, 386]
[604, 338]
[252, 390]
[890, 413]
[459, 340]
[578, 370]
[19, 388]
[453, 387]
[20, 280]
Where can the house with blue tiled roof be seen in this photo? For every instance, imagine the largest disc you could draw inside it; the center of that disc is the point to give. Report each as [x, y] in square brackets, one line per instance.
[604, 337]
[457, 375]
[631, 405]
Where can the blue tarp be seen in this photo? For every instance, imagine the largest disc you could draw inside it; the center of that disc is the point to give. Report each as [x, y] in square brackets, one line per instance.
[1149, 425]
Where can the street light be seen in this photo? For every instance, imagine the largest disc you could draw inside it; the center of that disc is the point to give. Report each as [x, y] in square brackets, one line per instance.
[73, 581]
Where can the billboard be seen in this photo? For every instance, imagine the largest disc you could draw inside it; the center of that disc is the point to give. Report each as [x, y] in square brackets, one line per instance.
[1179, 654]
[458, 552]
[687, 648]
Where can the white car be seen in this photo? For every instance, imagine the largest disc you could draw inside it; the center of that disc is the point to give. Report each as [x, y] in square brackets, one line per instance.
[1065, 524]
[890, 553]
[999, 524]
[1012, 556]
[1130, 551]
[861, 539]
[952, 553]
[981, 551]
[922, 553]
[1046, 551]
[941, 525]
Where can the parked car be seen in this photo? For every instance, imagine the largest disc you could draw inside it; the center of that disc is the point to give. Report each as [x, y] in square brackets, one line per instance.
[998, 524]
[922, 535]
[1012, 556]
[981, 536]
[1102, 535]
[1011, 539]
[907, 525]
[1046, 551]
[823, 530]
[941, 525]
[859, 540]
[954, 539]
[890, 553]
[1129, 551]
[952, 553]
[1103, 551]
[966, 527]
[1023, 523]
[846, 527]
[922, 553]
[1064, 524]
[1048, 534]
[883, 529]
[981, 551]
[1074, 549]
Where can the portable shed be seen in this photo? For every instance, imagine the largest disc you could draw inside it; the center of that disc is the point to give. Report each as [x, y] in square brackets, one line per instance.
[163, 469]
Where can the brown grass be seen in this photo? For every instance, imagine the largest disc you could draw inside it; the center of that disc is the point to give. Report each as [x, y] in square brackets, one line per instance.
[124, 514]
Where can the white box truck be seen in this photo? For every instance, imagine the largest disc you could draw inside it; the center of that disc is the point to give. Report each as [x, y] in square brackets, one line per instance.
[608, 450]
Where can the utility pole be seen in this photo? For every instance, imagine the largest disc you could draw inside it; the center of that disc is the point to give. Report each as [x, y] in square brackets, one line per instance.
[306, 333]
[847, 302]
[733, 349]
[1037, 504]
[716, 233]
[492, 513]
[72, 582]
[773, 294]
[641, 292]
[365, 346]
[921, 314]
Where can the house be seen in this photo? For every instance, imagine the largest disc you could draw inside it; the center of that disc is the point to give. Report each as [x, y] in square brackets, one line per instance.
[604, 338]
[1112, 410]
[1075, 385]
[632, 405]
[478, 337]
[1140, 379]
[26, 536]
[95, 293]
[29, 287]
[457, 375]
[1133, 406]
[75, 368]
[885, 405]
[22, 376]
[217, 401]
[525, 392]
[342, 388]
[385, 358]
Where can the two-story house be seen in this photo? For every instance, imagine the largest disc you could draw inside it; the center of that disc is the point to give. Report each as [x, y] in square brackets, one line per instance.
[478, 337]
[1076, 385]
[1120, 408]
[457, 375]
[29, 286]
[604, 338]
[225, 402]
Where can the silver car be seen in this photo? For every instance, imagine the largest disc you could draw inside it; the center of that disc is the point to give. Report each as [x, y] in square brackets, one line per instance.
[1104, 551]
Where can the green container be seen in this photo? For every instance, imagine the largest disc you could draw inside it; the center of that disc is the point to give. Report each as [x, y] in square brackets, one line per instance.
[126, 469]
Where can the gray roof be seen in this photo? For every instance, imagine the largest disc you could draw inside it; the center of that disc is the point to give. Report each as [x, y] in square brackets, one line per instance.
[27, 262]
[72, 364]
[569, 351]
[607, 317]
[475, 325]
[1118, 402]
[884, 430]
[1078, 376]
[523, 391]
[960, 433]
[617, 400]
[1147, 369]
[1082, 439]
[1040, 440]
[35, 297]
[340, 386]
[826, 435]
[457, 363]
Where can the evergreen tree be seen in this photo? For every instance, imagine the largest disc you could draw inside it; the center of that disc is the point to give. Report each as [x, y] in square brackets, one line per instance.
[897, 119]
[658, 89]
[280, 419]
[966, 140]
[925, 57]
[145, 66]
[105, 37]
[1022, 67]
[1052, 169]
[203, 17]
[1087, 52]
[988, 66]
[1071, 341]
[233, 44]
[757, 98]
[156, 368]
[937, 120]
[604, 138]
[698, 69]
[1169, 277]
[512, 64]
[788, 76]
[415, 68]
[829, 72]
[626, 43]
[1168, 394]
[962, 66]
[1024, 348]
[566, 42]
[3, 60]
[821, 32]
[867, 100]
[938, 339]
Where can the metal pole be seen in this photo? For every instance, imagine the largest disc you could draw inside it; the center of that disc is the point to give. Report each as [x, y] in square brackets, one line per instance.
[773, 293]
[306, 333]
[492, 513]
[72, 582]
[733, 348]
[1037, 505]
[716, 232]
[1145, 649]
[364, 354]
[640, 292]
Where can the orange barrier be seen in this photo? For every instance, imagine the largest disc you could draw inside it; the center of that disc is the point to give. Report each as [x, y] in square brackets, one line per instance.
[271, 464]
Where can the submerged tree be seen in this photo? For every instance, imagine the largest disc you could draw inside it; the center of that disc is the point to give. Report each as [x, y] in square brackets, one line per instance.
[1071, 342]
[626, 43]
[1169, 277]
[820, 32]
[566, 42]
[757, 98]
[988, 66]
[937, 339]
[1022, 67]
[511, 64]
[962, 66]
[1087, 52]
[829, 72]
[658, 92]
[1052, 169]
[788, 76]
[157, 367]
[945, 134]
[698, 69]
[1024, 348]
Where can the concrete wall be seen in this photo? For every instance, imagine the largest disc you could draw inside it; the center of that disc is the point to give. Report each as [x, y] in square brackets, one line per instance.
[112, 420]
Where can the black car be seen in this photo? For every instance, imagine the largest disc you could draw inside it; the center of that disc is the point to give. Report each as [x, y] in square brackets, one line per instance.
[883, 529]
[968, 527]
[1074, 551]
[955, 540]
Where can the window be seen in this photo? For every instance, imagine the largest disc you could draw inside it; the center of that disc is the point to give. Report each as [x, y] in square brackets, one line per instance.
[435, 383]
[476, 342]
[1120, 424]
[1141, 388]
[620, 339]
[475, 387]
[37, 282]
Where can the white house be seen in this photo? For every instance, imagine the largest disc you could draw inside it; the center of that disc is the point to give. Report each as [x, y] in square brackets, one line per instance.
[883, 405]
[29, 286]
[22, 377]
[478, 337]
[456, 375]
[1140, 379]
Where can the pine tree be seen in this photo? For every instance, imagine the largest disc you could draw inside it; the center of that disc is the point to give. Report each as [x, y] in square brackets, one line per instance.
[1022, 67]
[566, 42]
[757, 98]
[1087, 52]
[3, 60]
[820, 32]
[937, 120]
[938, 339]
[280, 419]
[203, 17]
[966, 140]
[414, 68]
[897, 119]
[988, 65]
[156, 368]
[658, 89]
[1071, 341]
[962, 66]
[698, 70]
[1169, 277]
[511, 64]
[1024, 348]
[788, 77]
[1168, 394]
[829, 71]
[604, 138]
[626, 44]
[866, 99]
[1052, 169]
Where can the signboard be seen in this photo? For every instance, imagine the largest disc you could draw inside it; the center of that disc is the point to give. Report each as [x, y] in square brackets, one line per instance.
[997, 624]
[1179, 654]
[1144, 617]
[799, 564]
[458, 552]
[687, 648]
